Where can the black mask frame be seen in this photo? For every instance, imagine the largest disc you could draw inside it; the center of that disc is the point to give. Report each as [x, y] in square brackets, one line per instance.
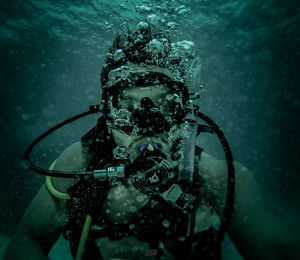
[143, 79]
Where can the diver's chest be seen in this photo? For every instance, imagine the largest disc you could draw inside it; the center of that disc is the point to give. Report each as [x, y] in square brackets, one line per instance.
[124, 201]
[127, 248]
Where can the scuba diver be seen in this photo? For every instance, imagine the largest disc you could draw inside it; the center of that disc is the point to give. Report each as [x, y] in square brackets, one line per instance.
[152, 191]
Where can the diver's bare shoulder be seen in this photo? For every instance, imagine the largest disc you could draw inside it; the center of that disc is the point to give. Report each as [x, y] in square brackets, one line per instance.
[35, 235]
[213, 173]
[251, 212]
[73, 158]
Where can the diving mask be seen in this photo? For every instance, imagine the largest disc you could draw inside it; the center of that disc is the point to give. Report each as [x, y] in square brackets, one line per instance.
[147, 117]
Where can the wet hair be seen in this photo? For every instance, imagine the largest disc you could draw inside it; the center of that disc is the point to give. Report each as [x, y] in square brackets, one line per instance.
[146, 45]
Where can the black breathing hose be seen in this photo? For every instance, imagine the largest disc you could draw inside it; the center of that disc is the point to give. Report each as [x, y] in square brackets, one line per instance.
[65, 174]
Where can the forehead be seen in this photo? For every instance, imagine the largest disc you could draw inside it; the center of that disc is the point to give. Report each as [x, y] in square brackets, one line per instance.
[139, 92]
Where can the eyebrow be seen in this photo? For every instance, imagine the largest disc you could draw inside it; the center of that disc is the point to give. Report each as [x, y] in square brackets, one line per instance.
[126, 98]
[131, 97]
[134, 97]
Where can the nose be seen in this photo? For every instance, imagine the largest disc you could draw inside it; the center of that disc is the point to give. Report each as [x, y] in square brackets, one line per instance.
[147, 103]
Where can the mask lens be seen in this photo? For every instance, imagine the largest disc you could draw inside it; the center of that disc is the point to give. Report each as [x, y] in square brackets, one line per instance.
[121, 119]
[152, 114]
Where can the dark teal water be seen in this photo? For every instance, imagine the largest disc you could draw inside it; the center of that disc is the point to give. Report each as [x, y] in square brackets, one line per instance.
[51, 57]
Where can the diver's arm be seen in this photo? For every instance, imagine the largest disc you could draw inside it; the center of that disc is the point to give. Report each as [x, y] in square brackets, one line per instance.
[42, 222]
[255, 230]
[38, 229]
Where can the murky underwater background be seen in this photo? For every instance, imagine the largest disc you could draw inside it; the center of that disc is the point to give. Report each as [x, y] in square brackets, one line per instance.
[51, 58]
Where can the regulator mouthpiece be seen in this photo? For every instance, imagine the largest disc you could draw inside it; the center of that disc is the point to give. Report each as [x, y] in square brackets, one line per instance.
[151, 172]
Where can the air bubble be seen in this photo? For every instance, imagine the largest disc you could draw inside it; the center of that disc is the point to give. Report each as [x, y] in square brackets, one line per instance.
[118, 55]
[140, 198]
[133, 209]
[153, 19]
[131, 226]
[143, 9]
[143, 25]
[172, 25]
[166, 223]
